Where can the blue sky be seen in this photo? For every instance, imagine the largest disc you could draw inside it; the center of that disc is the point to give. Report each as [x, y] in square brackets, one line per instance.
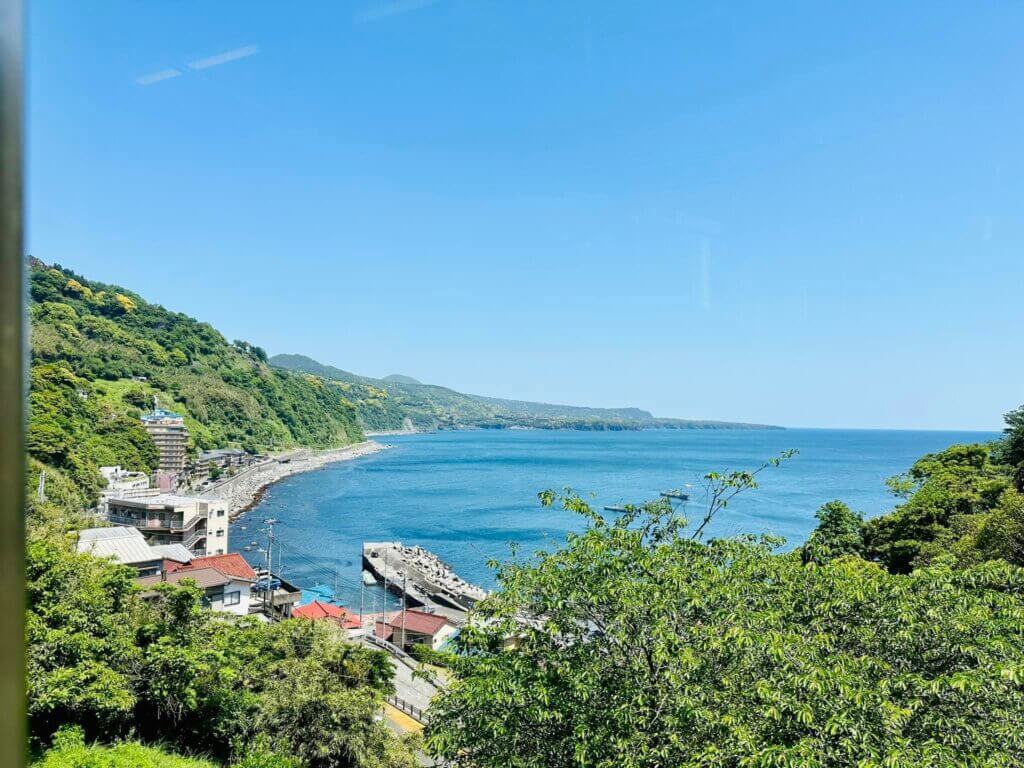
[807, 215]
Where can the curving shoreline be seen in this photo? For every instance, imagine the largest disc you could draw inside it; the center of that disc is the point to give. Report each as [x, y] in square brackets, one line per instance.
[246, 489]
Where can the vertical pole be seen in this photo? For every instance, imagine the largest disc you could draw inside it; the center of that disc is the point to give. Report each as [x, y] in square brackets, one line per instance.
[362, 589]
[405, 602]
[268, 595]
[12, 393]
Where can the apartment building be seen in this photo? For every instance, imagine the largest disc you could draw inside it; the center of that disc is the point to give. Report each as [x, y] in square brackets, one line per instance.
[171, 438]
[200, 525]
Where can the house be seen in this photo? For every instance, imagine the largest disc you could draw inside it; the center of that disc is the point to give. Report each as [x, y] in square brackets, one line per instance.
[129, 547]
[220, 592]
[225, 460]
[200, 525]
[226, 580]
[327, 612]
[412, 627]
[124, 485]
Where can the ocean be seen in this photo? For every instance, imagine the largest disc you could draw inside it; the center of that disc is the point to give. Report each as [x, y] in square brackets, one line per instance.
[466, 495]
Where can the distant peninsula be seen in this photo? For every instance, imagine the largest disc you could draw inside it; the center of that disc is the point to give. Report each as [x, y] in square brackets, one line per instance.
[398, 402]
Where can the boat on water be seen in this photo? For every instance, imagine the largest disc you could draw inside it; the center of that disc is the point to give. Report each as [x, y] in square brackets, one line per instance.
[369, 579]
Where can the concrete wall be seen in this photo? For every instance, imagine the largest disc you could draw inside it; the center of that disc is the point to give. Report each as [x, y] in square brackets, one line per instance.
[217, 528]
[239, 608]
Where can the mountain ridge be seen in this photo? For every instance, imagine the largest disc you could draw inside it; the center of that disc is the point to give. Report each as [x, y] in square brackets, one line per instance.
[430, 406]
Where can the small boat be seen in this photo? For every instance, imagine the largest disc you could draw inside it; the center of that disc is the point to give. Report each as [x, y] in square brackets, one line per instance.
[369, 579]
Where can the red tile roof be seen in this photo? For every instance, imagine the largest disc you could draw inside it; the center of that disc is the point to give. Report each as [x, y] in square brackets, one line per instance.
[318, 610]
[419, 622]
[232, 564]
[382, 630]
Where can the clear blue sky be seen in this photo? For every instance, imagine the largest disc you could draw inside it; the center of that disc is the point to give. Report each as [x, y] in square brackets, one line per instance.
[788, 213]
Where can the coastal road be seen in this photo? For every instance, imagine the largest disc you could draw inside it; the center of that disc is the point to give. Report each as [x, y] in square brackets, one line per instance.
[413, 690]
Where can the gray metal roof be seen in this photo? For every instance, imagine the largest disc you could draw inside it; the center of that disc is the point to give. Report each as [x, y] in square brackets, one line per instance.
[177, 552]
[126, 545]
[203, 577]
[218, 452]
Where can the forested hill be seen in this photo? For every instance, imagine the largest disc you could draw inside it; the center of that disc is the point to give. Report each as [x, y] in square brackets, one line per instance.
[100, 353]
[428, 406]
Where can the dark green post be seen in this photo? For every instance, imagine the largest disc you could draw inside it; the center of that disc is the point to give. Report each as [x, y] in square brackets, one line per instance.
[12, 393]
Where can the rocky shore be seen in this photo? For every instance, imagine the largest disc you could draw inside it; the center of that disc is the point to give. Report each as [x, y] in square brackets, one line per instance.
[244, 490]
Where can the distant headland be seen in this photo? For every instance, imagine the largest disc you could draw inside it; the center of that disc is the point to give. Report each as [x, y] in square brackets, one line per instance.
[406, 404]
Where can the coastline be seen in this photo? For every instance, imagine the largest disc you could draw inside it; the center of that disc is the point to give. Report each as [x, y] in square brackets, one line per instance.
[246, 489]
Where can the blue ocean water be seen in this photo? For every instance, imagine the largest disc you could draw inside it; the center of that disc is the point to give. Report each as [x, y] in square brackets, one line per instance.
[466, 495]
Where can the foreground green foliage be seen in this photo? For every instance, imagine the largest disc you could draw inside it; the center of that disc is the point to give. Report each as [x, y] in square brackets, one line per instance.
[962, 505]
[100, 354]
[70, 751]
[636, 645]
[168, 671]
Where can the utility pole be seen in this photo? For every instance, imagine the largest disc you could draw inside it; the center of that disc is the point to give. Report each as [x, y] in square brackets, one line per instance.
[268, 602]
[385, 600]
[362, 588]
[405, 603]
[42, 486]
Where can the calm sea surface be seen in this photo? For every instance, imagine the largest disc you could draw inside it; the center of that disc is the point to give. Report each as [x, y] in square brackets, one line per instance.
[466, 495]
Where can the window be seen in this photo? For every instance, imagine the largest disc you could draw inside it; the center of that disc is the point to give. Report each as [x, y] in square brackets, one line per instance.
[232, 598]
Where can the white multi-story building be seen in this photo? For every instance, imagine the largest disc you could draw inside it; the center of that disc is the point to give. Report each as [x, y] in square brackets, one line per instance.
[200, 525]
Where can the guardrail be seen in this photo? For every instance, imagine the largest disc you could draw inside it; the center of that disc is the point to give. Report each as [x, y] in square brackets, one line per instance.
[389, 647]
[411, 710]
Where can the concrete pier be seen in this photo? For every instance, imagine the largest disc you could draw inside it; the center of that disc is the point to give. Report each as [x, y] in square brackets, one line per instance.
[421, 577]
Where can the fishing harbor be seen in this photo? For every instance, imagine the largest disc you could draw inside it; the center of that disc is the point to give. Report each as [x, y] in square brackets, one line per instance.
[420, 578]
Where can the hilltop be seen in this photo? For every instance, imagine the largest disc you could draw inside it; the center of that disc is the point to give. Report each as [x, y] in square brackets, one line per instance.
[101, 353]
[429, 406]
[398, 378]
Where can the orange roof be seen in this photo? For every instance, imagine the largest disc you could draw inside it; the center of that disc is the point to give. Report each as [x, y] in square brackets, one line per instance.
[318, 610]
[232, 564]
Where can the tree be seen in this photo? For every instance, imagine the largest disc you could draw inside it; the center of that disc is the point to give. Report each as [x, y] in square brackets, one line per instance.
[321, 698]
[839, 533]
[1012, 449]
[942, 491]
[81, 651]
[138, 398]
[636, 646]
[166, 670]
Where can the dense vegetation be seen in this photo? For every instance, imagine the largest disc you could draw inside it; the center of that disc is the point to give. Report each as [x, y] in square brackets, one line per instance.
[71, 751]
[426, 406]
[893, 642]
[101, 353]
[896, 641]
[294, 694]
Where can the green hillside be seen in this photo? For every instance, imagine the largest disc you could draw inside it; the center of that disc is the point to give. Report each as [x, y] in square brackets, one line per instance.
[430, 407]
[101, 353]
